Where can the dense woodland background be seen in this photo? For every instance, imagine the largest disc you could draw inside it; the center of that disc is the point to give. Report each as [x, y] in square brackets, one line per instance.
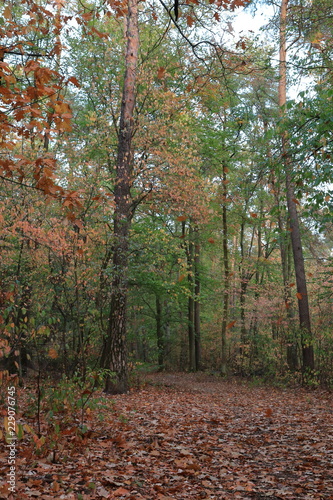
[152, 180]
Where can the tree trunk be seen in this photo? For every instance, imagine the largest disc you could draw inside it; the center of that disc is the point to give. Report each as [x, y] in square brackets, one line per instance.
[197, 287]
[190, 317]
[302, 295]
[159, 333]
[116, 352]
[226, 291]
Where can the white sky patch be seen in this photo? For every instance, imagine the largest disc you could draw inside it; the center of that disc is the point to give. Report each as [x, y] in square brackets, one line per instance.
[246, 22]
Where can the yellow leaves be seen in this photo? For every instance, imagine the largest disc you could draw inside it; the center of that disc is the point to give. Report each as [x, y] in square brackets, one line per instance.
[62, 116]
[317, 40]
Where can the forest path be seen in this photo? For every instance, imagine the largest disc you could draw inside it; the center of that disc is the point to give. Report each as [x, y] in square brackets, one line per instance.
[188, 436]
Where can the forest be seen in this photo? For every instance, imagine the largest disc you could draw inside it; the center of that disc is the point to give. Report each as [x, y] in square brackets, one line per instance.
[165, 189]
[166, 239]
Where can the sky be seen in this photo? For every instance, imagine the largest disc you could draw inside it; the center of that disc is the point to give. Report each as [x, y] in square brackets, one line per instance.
[246, 21]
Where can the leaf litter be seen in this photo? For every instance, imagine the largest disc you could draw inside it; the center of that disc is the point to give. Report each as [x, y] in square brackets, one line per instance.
[187, 436]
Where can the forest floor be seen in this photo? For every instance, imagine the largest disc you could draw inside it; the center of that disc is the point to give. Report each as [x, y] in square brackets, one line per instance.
[183, 436]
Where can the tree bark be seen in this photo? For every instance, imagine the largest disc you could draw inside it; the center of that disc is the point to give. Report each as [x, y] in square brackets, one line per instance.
[191, 332]
[115, 356]
[197, 290]
[159, 333]
[226, 291]
[302, 294]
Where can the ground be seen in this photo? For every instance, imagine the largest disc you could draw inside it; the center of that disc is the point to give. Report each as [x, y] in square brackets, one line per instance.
[184, 436]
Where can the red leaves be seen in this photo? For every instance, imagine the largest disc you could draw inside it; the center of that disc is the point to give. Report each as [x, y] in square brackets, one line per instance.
[121, 492]
[74, 81]
[28, 100]
[99, 33]
[192, 437]
[72, 201]
[268, 412]
[161, 73]
[189, 20]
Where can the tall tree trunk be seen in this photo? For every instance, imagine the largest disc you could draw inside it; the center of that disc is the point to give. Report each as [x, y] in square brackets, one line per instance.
[190, 317]
[115, 346]
[243, 288]
[254, 329]
[302, 295]
[285, 249]
[159, 333]
[226, 266]
[197, 290]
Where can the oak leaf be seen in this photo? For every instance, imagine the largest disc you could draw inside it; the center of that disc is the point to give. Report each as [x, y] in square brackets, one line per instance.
[161, 73]
[121, 491]
[52, 353]
[189, 20]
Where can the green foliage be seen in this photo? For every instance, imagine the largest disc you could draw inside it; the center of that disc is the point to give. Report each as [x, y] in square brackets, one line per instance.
[196, 119]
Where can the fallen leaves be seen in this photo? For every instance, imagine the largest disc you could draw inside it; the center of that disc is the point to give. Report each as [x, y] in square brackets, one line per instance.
[185, 437]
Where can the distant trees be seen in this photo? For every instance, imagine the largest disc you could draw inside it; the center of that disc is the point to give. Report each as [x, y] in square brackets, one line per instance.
[149, 196]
